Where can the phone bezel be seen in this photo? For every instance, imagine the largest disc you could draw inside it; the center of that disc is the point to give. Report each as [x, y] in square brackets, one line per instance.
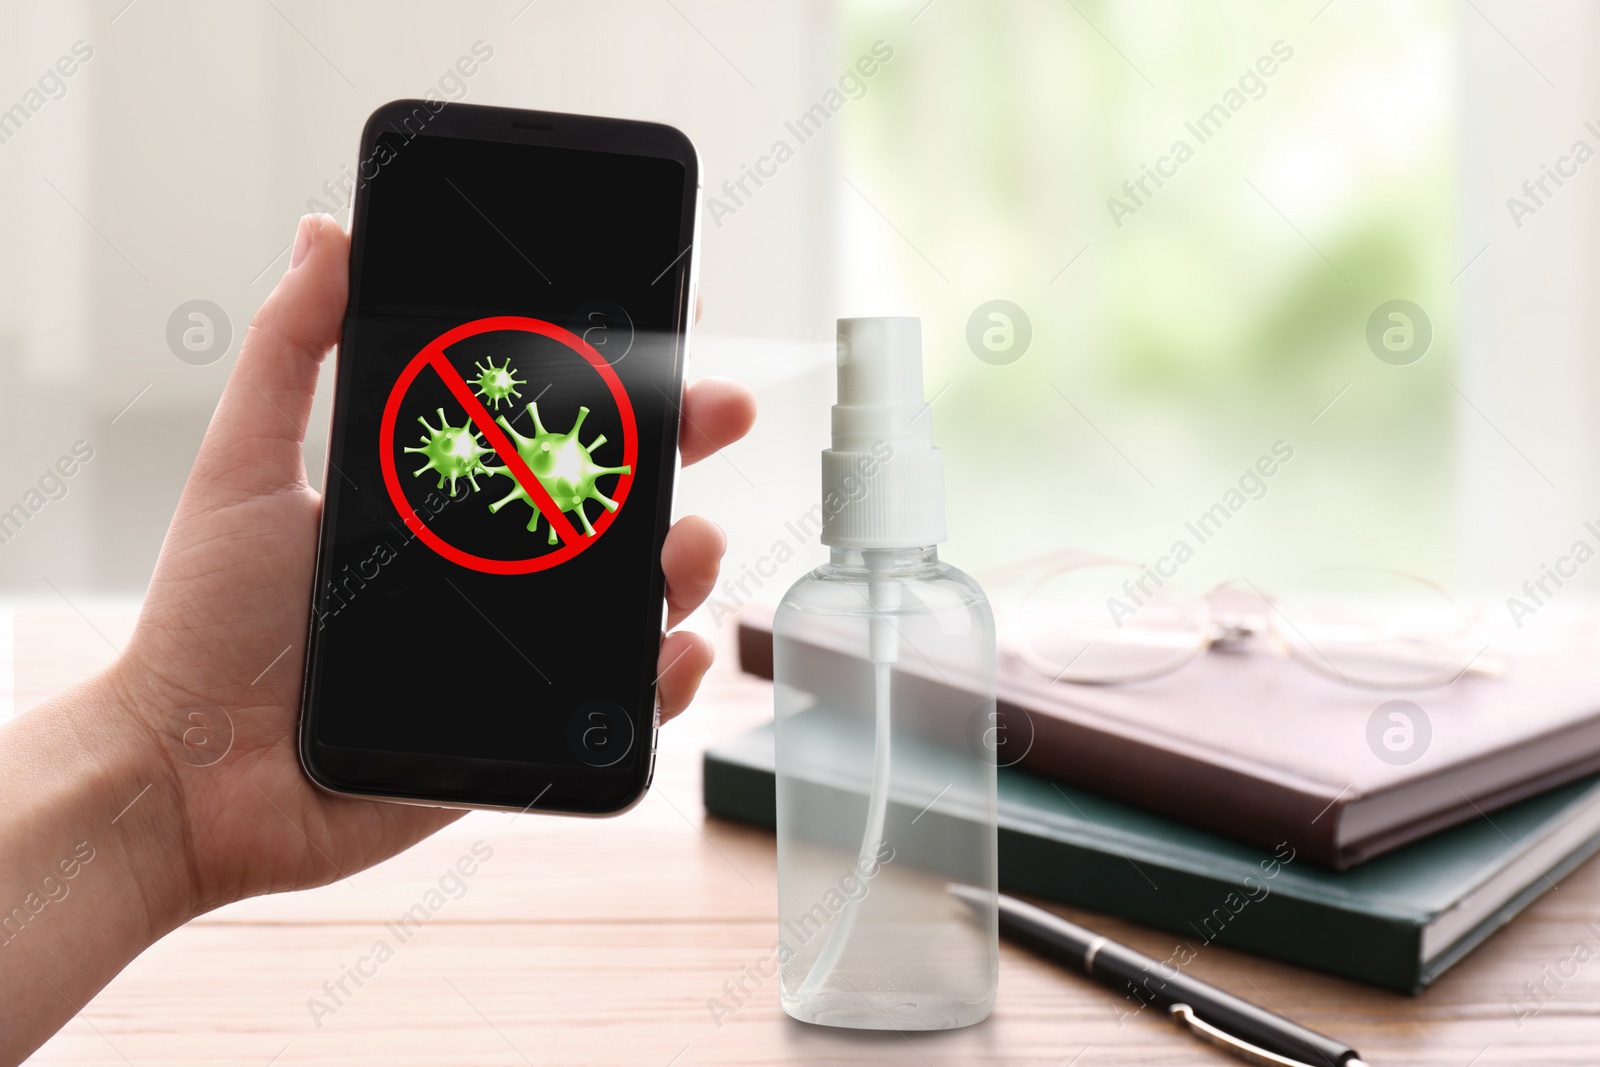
[461, 782]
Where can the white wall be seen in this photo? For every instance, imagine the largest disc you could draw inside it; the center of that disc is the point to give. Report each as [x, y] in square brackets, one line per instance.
[1528, 432]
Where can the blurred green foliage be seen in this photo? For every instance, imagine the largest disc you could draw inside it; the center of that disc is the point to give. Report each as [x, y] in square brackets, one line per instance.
[1223, 314]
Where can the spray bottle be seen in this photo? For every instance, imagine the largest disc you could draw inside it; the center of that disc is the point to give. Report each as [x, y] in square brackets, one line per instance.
[884, 663]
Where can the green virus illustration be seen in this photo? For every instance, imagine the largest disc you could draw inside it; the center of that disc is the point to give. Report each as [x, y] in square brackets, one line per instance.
[564, 466]
[452, 451]
[495, 384]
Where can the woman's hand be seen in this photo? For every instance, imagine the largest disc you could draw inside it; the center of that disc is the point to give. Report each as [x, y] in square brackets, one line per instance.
[224, 628]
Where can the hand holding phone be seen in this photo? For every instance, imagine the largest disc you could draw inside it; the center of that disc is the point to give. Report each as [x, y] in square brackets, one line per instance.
[489, 598]
[204, 699]
[183, 751]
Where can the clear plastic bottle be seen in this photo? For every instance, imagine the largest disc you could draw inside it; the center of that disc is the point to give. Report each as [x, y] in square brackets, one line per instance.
[884, 666]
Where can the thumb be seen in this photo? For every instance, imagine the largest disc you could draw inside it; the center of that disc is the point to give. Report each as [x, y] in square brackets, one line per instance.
[253, 443]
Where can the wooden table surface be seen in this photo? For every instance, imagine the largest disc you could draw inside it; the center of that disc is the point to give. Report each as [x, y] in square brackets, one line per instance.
[603, 942]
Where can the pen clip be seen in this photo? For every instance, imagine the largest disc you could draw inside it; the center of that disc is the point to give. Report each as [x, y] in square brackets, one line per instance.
[1203, 1030]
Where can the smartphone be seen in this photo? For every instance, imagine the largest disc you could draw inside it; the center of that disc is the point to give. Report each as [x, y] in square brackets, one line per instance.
[489, 601]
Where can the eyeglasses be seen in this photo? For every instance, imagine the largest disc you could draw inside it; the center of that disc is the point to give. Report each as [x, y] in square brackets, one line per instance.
[1096, 621]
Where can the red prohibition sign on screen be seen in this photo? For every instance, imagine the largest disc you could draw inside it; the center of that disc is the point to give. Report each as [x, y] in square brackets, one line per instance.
[573, 540]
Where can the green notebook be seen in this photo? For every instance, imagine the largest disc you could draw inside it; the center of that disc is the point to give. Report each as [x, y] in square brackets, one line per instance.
[1398, 921]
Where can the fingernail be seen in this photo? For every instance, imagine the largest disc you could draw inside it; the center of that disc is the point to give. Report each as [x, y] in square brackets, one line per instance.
[302, 243]
[724, 534]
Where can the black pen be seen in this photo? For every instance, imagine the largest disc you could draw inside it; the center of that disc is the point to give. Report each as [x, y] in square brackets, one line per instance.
[1213, 1016]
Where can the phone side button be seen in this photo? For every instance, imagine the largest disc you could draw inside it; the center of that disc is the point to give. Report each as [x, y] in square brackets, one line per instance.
[655, 737]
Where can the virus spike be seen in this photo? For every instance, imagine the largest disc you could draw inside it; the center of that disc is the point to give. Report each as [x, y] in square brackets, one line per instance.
[494, 509]
[538, 427]
[587, 529]
[605, 501]
[596, 443]
[583, 413]
[521, 441]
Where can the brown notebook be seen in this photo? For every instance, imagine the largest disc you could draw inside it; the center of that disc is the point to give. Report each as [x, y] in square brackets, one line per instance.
[1265, 751]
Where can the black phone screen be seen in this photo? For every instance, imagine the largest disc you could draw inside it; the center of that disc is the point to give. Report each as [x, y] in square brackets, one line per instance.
[488, 602]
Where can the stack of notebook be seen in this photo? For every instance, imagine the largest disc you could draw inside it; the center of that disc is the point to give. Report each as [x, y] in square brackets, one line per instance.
[1165, 801]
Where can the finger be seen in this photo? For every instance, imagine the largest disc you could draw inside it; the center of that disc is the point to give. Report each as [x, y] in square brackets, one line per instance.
[716, 412]
[690, 558]
[685, 658]
[253, 442]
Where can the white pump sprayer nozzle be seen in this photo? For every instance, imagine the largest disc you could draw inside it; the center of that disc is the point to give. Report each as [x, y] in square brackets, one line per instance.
[882, 481]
